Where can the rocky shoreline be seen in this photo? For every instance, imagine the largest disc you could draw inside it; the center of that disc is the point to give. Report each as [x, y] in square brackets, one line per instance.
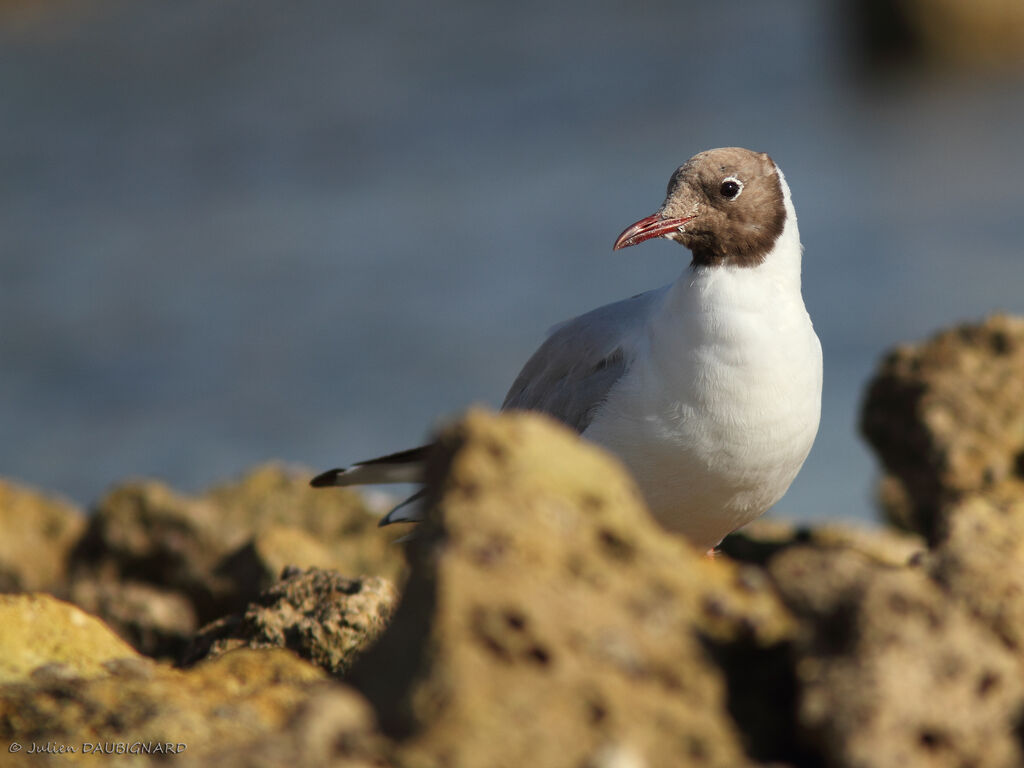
[540, 618]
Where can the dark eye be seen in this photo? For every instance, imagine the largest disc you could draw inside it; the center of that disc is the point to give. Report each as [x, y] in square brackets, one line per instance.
[730, 188]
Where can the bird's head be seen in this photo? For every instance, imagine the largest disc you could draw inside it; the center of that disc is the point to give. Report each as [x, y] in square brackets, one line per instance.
[726, 205]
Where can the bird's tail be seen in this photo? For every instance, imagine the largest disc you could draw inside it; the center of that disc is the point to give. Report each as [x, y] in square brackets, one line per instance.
[401, 467]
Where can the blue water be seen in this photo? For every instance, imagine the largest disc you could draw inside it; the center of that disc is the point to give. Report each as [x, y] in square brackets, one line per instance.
[231, 231]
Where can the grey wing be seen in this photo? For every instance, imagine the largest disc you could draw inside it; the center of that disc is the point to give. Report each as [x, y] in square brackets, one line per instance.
[571, 373]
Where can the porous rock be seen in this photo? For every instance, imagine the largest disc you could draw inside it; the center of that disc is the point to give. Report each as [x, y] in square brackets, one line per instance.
[980, 563]
[946, 418]
[891, 672]
[548, 620]
[38, 531]
[219, 550]
[320, 615]
[258, 563]
[232, 704]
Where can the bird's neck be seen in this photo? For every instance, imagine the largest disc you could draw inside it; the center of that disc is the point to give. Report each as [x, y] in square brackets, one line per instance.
[776, 279]
[779, 272]
[730, 315]
[732, 310]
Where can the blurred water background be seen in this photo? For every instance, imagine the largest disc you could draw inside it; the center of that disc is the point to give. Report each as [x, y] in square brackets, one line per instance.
[233, 231]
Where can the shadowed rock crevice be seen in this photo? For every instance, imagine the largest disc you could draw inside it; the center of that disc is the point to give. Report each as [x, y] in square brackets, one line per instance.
[762, 698]
[391, 667]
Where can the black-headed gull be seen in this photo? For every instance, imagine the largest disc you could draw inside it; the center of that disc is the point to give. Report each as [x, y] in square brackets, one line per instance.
[708, 389]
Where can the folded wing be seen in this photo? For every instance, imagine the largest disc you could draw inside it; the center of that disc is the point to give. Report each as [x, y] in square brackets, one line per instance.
[572, 372]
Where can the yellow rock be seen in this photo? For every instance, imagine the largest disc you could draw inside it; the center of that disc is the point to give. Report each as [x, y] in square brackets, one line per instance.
[219, 706]
[38, 630]
[38, 530]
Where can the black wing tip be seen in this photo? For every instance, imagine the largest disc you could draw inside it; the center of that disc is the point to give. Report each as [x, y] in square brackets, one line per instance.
[388, 520]
[401, 457]
[326, 479]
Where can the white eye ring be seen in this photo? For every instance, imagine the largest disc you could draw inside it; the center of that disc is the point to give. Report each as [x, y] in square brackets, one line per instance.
[732, 180]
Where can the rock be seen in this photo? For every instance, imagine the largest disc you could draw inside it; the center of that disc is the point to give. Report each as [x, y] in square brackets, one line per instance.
[321, 615]
[257, 565]
[761, 679]
[983, 35]
[38, 531]
[147, 533]
[221, 549]
[891, 672]
[337, 518]
[947, 420]
[333, 727]
[761, 540]
[548, 620]
[157, 622]
[38, 630]
[238, 703]
[895, 643]
[980, 562]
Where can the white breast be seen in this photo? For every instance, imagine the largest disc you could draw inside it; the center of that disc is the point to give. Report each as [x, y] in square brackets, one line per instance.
[721, 403]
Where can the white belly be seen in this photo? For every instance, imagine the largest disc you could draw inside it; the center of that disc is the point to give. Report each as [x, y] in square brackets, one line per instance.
[714, 429]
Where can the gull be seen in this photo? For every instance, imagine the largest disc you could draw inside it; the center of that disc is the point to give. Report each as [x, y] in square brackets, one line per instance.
[707, 389]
